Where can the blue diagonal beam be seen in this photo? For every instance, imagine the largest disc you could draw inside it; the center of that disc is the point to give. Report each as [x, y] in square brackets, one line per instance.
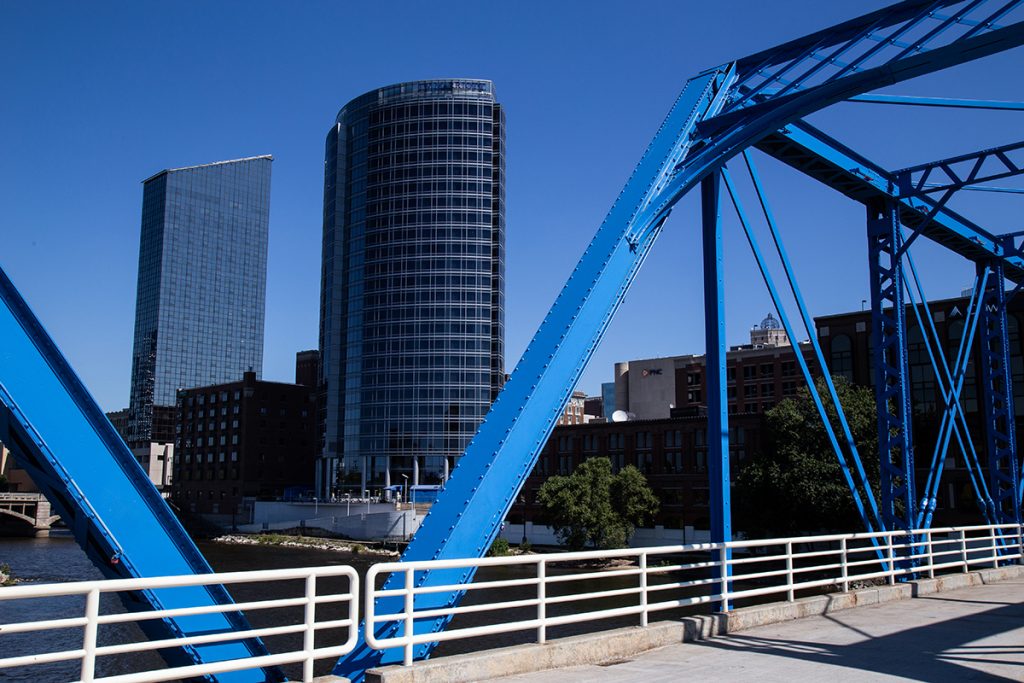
[856, 480]
[808, 323]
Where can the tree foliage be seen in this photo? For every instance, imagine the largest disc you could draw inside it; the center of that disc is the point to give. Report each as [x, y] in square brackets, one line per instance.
[596, 508]
[796, 485]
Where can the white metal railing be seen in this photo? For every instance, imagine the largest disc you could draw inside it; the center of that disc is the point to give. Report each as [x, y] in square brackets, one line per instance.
[302, 623]
[549, 590]
[663, 578]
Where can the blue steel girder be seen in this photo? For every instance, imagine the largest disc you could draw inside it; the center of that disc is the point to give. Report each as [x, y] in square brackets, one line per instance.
[715, 364]
[997, 399]
[962, 171]
[895, 38]
[468, 513]
[892, 374]
[819, 156]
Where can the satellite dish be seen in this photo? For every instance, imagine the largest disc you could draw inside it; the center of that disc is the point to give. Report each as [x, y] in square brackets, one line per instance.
[622, 416]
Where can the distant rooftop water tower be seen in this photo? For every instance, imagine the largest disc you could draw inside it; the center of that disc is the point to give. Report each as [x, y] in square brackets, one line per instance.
[768, 333]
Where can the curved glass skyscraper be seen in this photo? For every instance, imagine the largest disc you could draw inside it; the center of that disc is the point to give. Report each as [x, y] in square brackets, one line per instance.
[412, 299]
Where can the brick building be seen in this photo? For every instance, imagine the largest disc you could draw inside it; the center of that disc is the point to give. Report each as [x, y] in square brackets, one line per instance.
[248, 439]
[665, 436]
[671, 452]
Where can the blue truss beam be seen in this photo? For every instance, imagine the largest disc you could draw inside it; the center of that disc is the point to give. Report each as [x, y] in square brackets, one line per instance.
[941, 102]
[962, 171]
[829, 161]
[997, 400]
[892, 374]
[60, 436]
[715, 371]
[832, 90]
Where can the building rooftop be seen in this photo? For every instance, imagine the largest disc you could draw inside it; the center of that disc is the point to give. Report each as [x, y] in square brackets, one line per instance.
[214, 163]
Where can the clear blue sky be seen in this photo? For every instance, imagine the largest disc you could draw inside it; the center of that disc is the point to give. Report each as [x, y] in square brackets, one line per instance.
[98, 96]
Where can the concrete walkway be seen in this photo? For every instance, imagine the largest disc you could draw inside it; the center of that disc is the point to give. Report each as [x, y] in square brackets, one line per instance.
[970, 634]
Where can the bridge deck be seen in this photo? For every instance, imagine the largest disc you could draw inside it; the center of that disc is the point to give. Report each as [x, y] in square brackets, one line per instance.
[967, 634]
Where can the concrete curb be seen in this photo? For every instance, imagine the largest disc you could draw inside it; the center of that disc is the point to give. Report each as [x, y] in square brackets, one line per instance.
[623, 643]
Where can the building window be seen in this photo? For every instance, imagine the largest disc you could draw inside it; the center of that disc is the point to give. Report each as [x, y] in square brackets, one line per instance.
[673, 462]
[700, 461]
[700, 496]
[841, 360]
[644, 440]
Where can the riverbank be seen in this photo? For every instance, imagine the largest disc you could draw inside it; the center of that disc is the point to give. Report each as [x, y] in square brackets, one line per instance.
[307, 543]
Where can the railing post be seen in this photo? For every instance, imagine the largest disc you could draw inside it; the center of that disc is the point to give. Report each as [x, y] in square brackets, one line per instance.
[643, 589]
[723, 563]
[842, 564]
[92, 613]
[963, 550]
[309, 635]
[410, 606]
[995, 546]
[1020, 544]
[542, 607]
[892, 560]
[789, 570]
[931, 554]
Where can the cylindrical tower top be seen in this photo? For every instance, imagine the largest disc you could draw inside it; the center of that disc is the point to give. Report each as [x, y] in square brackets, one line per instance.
[472, 88]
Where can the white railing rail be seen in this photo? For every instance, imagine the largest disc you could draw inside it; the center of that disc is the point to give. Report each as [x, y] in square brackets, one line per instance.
[561, 589]
[663, 578]
[91, 620]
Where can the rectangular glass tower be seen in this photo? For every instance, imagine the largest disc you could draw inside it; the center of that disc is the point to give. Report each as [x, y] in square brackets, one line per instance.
[202, 285]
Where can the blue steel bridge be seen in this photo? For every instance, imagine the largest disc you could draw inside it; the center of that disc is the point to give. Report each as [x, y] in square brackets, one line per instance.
[757, 102]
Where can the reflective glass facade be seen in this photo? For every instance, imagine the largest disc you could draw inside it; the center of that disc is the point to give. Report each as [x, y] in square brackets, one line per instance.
[412, 303]
[202, 284]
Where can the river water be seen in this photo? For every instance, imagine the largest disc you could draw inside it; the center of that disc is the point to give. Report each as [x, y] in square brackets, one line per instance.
[59, 558]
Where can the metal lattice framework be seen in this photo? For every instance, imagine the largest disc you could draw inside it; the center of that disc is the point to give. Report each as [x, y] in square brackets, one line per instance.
[759, 101]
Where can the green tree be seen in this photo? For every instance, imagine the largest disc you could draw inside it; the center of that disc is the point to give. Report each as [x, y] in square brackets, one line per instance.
[593, 507]
[795, 484]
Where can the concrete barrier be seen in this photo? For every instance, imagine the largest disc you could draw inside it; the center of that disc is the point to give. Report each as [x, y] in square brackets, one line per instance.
[623, 643]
